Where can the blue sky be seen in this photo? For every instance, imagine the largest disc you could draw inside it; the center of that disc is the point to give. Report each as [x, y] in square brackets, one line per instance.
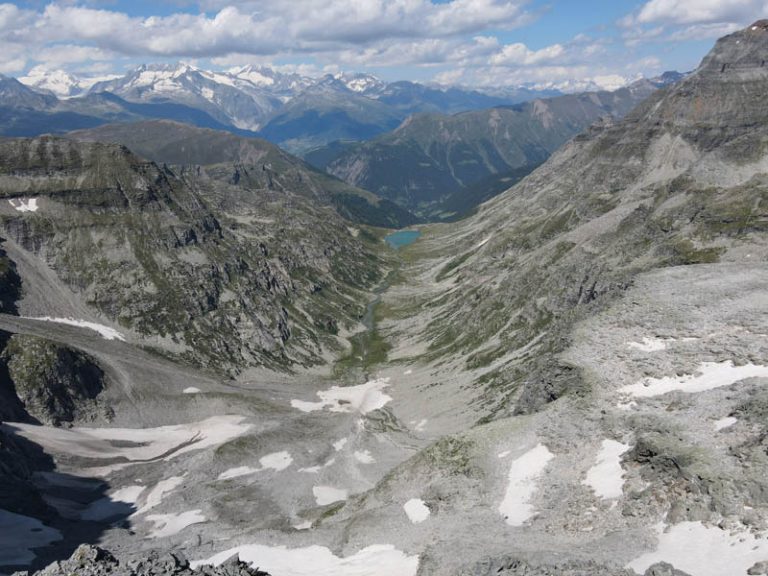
[558, 43]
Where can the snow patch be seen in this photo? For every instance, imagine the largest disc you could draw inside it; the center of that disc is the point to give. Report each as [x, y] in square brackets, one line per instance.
[306, 525]
[339, 444]
[24, 205]
[237, 472]
[484, 242]
[277, 461]
[140, 444]
[363, 398]
[704, 550]
[709, 376]
[121, 502]
[724, 423]
[523, 474]
[416, 510]
[364, 457]
[192, 390]
[328, 494]
[606, 477]
[407, 372]
[20, 535]
[170, 524]
[157, 493]
[504, 454]
[651, 344]
[316, 469]
[104, 331]
[421, 425]
[376, 560]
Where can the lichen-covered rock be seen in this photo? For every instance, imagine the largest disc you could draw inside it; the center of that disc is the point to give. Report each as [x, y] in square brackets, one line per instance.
[517, 567]
[90, 560]
[54, 383]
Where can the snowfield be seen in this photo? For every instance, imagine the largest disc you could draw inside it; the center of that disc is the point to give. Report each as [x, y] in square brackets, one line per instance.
[104, 331]
[363, 398]
[705, 550]
[19, 535]
[277, 461]
[24, 205]
[376, 560]
[120, 502]
[416, 510]
[650, 344]
[523, 474]
[364, 457]
[328, 495]
[606, 477]
[709, 376]
[140, 444]
[724, 423]
[170, 524]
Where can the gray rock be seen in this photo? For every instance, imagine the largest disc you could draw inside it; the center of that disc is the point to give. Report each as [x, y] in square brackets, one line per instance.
[664, 569]
[90, 560]
[758, 569]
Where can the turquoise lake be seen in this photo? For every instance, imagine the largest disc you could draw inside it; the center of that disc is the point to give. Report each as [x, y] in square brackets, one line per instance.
[402, 238]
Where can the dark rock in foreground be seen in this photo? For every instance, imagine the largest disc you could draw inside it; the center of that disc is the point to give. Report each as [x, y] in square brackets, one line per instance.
[89, 560]
[517, 567]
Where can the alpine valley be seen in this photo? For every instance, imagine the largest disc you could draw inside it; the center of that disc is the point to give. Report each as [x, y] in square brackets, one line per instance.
[212, 348]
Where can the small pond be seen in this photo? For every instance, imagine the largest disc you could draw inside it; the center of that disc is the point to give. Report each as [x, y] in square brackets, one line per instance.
[402, 238]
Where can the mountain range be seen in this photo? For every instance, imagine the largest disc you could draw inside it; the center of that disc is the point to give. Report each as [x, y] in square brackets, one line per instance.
[441, 166]
[297, 112]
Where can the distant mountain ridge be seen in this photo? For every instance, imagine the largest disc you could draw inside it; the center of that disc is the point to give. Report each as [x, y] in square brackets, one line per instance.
[297, 112]
[249, 163]
[442, 166]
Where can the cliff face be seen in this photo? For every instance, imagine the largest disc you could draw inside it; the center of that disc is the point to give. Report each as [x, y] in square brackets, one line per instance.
[227, 275]
[54, 383]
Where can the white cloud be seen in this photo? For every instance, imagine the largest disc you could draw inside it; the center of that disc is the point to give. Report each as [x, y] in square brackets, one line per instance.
[687, 20]
[700, 11]
[72, 53]
[520, 55]
[317, 35]
[704, 31]
[261, 28]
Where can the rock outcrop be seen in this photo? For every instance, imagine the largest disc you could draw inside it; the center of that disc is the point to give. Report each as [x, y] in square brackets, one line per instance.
[54, 383]
[90, 560]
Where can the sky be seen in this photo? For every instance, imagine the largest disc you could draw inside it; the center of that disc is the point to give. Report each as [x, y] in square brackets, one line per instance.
[480, 43]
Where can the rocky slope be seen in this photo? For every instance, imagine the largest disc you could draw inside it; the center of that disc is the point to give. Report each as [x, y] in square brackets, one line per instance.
[201, 156]
[609, 310]
[224, 275]
[431, 163]
[92, 561]
[679, 181]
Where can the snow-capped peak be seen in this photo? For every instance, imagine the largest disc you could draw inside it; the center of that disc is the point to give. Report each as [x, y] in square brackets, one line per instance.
[256, 76]
[59, 82]
[359, 82]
